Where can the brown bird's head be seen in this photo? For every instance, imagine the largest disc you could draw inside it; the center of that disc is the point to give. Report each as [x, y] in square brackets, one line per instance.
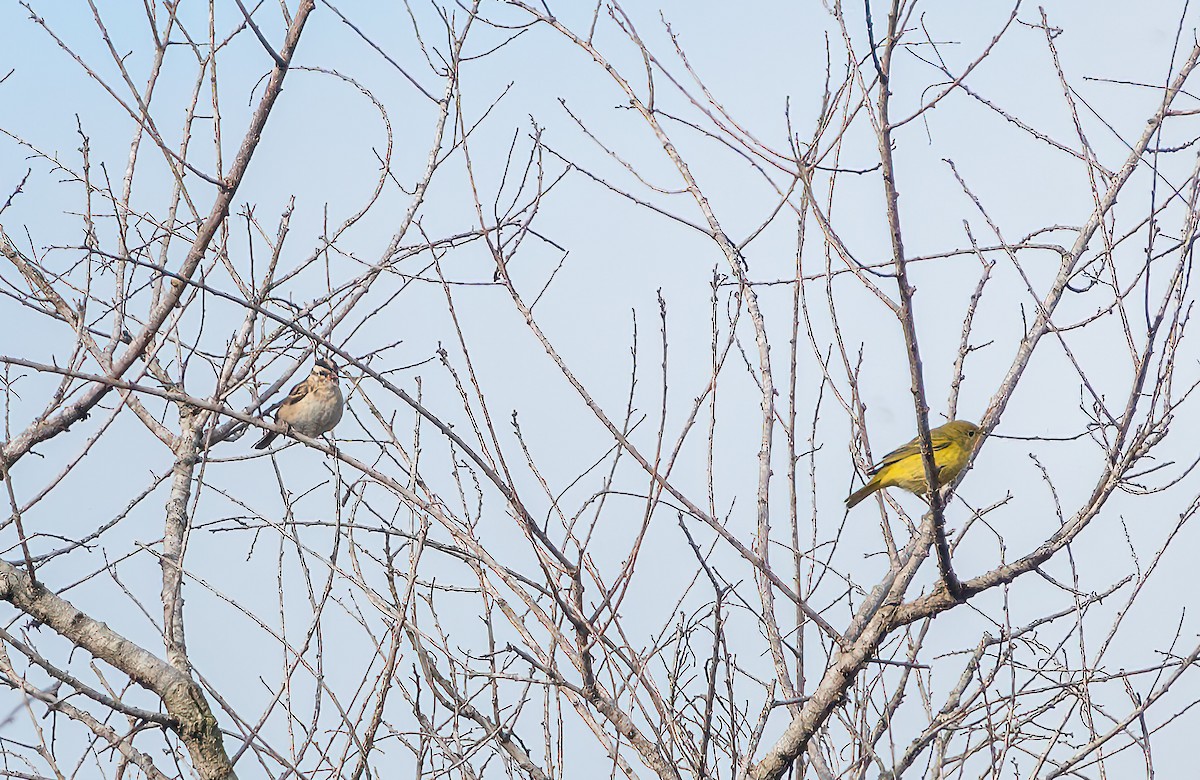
[325, 371]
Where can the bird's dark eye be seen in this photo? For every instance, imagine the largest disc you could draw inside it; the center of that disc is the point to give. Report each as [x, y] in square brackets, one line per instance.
[970, 433]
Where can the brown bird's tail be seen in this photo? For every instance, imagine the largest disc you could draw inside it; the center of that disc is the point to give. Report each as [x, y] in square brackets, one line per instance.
[858, 495]
[266, 440]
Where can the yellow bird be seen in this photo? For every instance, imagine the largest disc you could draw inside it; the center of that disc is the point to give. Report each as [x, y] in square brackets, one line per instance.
[952, 443]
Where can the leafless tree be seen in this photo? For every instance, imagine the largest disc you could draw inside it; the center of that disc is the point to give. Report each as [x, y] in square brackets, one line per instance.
[623, 299]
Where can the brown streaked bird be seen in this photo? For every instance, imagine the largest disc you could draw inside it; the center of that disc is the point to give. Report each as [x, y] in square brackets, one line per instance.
[313, 407]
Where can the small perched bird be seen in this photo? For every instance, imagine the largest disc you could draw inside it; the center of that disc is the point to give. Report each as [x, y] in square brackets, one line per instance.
[952, 443]
[313, 407]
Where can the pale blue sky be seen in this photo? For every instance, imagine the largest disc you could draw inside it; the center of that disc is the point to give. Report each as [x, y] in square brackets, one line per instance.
[320, 147]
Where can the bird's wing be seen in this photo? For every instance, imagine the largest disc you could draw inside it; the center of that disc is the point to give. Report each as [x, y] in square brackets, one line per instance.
[297, 392]
[939, 442]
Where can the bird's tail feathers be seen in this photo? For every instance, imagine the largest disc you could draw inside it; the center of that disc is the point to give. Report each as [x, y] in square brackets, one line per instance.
[854, 498]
